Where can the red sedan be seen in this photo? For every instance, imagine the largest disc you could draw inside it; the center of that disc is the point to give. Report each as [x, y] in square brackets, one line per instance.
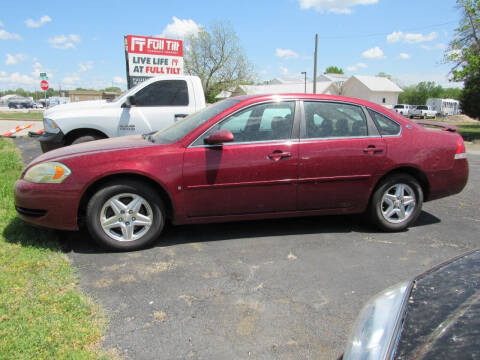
[245, 158]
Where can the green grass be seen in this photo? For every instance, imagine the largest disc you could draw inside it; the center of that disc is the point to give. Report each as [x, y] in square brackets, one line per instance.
[14, 115]
[469, 132]
[43, 315]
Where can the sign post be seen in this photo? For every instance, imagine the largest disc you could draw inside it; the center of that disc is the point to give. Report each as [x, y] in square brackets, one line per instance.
[44, 86]
[147, 57]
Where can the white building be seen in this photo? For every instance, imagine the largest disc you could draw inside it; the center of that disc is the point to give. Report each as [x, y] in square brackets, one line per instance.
[376, 89]
[338, 79]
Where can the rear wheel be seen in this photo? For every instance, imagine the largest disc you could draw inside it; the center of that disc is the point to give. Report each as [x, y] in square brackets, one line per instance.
[125, 215]
[396, 203]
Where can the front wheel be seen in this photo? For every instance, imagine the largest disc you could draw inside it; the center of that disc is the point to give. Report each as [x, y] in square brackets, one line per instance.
[396, 203]
[126, 215]
[85, 138]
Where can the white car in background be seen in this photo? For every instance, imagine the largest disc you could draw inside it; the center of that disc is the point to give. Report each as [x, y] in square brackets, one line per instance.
[423, 111]
[403, 109]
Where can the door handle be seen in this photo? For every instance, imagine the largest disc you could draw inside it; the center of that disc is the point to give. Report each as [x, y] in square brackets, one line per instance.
[372, 149]
[178, 116]
[278, 155]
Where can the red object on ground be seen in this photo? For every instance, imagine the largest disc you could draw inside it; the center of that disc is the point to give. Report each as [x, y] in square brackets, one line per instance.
[17, 129]
[44, 85]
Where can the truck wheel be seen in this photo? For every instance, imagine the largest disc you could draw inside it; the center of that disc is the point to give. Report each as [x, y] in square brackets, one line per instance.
[125, 215]
[396, 203]
[85, 138]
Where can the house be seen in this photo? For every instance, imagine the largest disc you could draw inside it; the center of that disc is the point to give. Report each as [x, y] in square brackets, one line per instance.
[376, 89]
[323, 87]
[338, 79]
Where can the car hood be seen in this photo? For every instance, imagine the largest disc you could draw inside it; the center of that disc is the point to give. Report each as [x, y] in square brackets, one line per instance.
[443, 313]
[91, 104]
[94, 147]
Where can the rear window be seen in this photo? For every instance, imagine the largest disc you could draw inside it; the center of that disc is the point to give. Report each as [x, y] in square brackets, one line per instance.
[398, 107]
[385, 125]
[422, 107]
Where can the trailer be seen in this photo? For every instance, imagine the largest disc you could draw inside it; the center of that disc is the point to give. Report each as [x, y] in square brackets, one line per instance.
[444, 106]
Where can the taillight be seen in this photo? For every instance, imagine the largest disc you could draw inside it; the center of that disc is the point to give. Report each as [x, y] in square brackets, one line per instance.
[460, 152]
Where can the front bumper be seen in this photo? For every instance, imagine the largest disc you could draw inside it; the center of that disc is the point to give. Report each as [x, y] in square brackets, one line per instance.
[50, 141]
[47, 205]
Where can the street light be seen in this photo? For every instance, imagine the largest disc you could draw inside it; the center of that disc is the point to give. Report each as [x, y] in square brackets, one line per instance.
[305, 73]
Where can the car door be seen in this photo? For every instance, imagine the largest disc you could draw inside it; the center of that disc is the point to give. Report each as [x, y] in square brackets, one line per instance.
[340, 153]
[158, 105]
[256, 173]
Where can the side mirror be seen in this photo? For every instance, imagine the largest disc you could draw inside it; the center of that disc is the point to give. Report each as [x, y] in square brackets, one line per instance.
[130, 101]
[219, 137]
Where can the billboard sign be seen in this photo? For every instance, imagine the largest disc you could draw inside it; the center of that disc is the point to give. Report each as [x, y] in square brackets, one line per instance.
[149, 56]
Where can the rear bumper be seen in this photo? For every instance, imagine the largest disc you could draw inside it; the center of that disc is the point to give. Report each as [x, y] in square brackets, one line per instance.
[47, 205]
[50, 141]
[449, 182]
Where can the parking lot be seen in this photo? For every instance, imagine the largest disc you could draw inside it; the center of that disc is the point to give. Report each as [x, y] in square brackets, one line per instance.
[276, 289]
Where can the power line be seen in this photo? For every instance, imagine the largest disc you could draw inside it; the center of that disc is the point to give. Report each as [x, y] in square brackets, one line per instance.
[383, 34]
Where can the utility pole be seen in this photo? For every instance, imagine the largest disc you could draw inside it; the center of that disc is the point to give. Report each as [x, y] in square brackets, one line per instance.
[305, 73]
[315, 65]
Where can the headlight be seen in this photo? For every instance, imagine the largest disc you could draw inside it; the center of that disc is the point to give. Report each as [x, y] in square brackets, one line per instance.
[374, 330]
[50, 126]
[47, 173]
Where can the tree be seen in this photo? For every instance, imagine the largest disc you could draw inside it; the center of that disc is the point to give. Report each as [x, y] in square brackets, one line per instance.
[333, 70]
[112, 89]
[464, 52]
[418, 94]
[385, 75]
[215, 55]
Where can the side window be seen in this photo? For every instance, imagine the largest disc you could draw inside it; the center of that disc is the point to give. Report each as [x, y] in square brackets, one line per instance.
[330, 120]
[163, 93]
[263, 122]
[385, 125]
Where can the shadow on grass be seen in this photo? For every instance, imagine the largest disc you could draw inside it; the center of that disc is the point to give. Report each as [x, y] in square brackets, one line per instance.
[80, 242]
[24, 234]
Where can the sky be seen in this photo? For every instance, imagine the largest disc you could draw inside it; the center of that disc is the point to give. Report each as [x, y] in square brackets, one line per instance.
[81, 44]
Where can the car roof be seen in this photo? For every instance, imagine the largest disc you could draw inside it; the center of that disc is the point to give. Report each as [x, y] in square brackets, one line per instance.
[303, 96]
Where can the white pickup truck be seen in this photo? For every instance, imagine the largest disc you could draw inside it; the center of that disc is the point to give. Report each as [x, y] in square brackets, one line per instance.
[147, 107]
[423, 111]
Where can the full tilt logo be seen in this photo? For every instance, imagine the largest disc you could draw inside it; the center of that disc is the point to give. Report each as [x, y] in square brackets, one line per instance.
[154, 46]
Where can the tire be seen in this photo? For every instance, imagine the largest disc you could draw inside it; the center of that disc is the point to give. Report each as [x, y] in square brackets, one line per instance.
[385, 208]
[85, 138]
[110, 206]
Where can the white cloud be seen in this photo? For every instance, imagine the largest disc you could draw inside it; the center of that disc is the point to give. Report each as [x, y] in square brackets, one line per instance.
[334, 6]
[357, 66]
[180, 29]
[410, 38]
[439, 46]
[404, 56]
[35, 24]
[283, 70]
[373, 53]
[16, 79]
[65, 42]
[15, 59]
[119, 80]
[286, 53]
[85, 66]
[72, 79]
[5, 35]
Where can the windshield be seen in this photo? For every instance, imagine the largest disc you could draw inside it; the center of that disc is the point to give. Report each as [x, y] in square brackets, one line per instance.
[180, 129]
[123, 95]
[422, 107]
[398, 107]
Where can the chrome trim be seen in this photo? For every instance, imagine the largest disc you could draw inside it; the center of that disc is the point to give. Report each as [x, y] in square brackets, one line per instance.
[460, 156]
[247, 142]
[344, 137]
